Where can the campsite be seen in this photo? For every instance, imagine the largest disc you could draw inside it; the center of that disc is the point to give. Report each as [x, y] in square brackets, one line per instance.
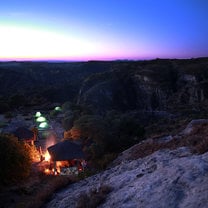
[116, 115]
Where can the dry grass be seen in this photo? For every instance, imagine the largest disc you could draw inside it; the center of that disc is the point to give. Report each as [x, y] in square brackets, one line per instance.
[94, 198]
[166, 127]
[45, 191]
[197, 141]
[34, 192]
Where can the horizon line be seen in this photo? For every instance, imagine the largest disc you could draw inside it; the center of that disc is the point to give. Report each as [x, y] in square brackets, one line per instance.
[98, 60]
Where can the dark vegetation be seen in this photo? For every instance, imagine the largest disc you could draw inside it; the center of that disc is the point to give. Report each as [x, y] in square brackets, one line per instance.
[94, 198]
[197, 141]
[31, 84]
[21, 182]
[104, 136]
[108, 106]
[120, 107]
[33, 192]
[15, 160]
[102, 86]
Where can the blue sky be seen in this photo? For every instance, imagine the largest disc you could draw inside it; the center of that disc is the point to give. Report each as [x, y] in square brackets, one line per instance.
[107, 29]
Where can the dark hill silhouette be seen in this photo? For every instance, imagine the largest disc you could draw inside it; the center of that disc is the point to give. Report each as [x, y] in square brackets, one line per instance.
[155, 85]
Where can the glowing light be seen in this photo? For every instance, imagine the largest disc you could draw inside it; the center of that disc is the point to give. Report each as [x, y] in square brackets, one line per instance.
[47, 156]
[57, 108]
[34, 43]
[38, 114]
[43, 125]
[47, 171]
[41, 119]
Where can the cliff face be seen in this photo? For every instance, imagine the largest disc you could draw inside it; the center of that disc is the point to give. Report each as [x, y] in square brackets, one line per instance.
[168, 177]
[123, 91]
[147, 86]
[154, 86]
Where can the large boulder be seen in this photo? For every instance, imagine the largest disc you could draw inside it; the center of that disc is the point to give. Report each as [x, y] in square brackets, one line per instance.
[164, 179]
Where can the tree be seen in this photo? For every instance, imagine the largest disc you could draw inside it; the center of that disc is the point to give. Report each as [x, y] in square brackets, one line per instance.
[15, 160]
[92, 130]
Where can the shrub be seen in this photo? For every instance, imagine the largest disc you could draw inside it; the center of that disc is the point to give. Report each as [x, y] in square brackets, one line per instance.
[86, 173]
[66, 106]
[197, 141]
[94, 198]
[105, 160]
[54, 113]
[52, 184]
[103, 136]
[4, 107]
[15, 160]
[36, 193]
[67, 122]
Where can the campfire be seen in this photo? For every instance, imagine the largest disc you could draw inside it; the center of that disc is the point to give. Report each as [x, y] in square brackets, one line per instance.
[47, 156]
[68, 167]
[63, 158]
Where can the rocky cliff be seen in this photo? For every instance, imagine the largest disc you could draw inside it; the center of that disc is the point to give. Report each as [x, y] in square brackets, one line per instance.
[146, 86]
[159, 85]
[166, 172]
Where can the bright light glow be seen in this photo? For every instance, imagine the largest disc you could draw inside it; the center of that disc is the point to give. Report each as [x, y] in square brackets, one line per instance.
[47, 156]
[30, 43]
[41, 119]
[58, 108]
[43, 125]
[47, 171]
[88, 30]
[38, 114]
[22, 42]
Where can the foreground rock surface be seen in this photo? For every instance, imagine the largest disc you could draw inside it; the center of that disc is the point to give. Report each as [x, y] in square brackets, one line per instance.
[167, 178]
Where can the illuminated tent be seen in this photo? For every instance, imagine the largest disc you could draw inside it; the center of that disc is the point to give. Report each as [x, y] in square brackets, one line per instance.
[57, 108]
[41, 119]
[66, 150]
[43, 125]
[38, 114]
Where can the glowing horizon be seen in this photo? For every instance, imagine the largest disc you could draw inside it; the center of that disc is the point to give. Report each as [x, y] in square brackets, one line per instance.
[81, 31]
[34, 43]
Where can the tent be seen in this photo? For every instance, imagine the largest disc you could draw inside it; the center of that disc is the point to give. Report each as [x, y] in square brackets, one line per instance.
[66, 150]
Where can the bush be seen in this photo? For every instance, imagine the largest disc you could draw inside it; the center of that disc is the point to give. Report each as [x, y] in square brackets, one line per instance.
[4, 107]
[15, 160]
[103, 136]
[67, 122]
[197, 141]
[54, 113]
[105, 160]
[66, 106]
[94, 198]
[124, 130]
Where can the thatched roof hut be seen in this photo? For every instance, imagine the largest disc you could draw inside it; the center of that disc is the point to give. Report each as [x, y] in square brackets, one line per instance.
[66, 150]
[24, 134]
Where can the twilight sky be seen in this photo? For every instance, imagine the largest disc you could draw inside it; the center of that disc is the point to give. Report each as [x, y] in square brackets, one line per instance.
[103, 29]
